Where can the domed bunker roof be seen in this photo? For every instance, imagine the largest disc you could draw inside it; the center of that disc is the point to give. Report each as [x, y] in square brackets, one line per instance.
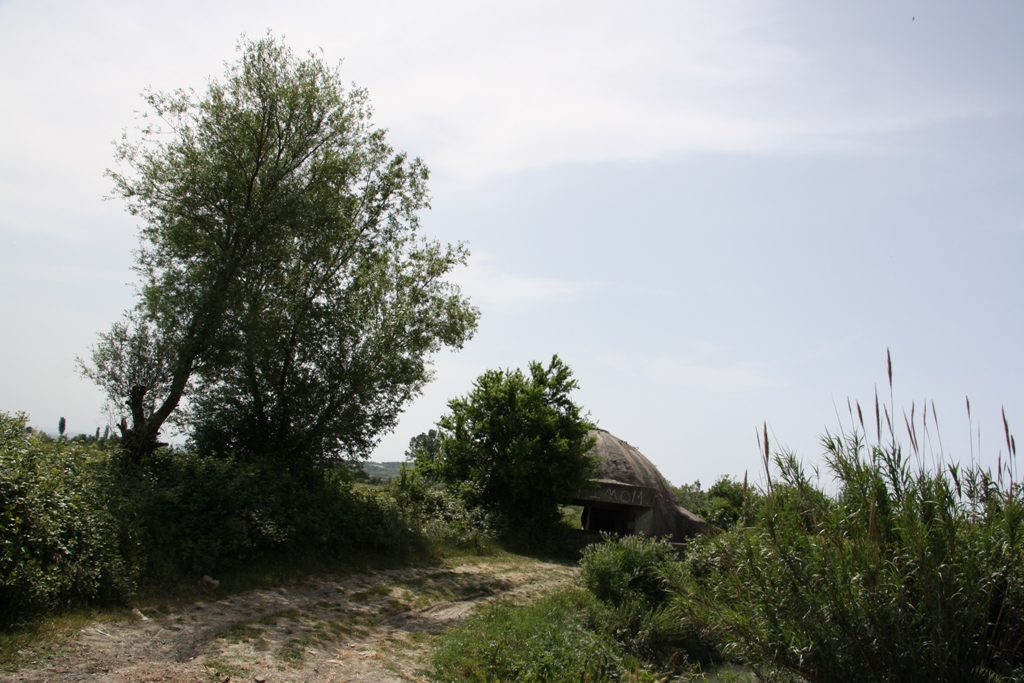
[632, 496]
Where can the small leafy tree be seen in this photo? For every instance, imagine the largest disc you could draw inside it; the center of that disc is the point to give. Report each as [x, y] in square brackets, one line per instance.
[516, 445]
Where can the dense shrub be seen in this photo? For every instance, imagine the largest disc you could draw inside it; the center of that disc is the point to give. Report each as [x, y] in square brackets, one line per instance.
[61, 539]
[635, 578]
[630, 569]
[446, 522]
[202, 513]
[195, 512]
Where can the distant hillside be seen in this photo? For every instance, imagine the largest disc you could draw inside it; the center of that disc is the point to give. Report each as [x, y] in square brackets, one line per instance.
[382, 470]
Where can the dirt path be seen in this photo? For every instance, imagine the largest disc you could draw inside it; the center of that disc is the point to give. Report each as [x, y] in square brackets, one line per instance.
[362, 627]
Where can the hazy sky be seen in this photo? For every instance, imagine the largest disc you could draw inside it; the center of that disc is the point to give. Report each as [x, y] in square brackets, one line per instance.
[717, 213]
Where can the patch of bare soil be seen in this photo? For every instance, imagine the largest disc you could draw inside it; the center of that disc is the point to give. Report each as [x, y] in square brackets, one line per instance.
[374, 627]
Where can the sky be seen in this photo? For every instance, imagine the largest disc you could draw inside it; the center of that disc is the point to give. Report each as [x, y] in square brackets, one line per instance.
[721, 215]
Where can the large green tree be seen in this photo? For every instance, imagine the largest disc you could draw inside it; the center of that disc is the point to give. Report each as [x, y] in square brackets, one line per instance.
[517, 444]
[286, 294]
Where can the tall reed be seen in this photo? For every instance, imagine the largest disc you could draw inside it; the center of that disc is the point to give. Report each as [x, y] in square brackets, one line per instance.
[901, 571]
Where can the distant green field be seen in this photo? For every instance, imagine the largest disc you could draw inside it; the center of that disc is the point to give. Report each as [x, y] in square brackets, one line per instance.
[382, 470]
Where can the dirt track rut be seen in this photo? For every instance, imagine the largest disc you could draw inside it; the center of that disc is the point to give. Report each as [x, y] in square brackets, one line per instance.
[371, 627]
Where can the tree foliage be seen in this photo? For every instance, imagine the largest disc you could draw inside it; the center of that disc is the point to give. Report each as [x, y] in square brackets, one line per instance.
[426, 445]
[285, 291]
[727, 503]
[517, 444]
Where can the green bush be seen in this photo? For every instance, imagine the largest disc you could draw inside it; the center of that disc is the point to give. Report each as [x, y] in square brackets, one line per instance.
[635, 579]
[446, 522]
[632, 569]
[553, 640]
[202, 514]
[61, 539]
[727, 503]
[196, 512]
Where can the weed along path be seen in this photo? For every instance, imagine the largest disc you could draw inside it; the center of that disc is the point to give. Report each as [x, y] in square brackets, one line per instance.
[374, 627]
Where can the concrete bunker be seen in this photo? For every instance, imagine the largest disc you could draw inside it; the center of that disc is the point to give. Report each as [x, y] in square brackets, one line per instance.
[630, 496]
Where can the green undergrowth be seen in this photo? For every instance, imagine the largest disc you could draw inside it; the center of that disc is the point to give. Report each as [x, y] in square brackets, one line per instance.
[551, 640]
[617, 624]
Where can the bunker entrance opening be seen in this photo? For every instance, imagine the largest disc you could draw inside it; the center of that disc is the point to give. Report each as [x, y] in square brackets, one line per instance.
[620, 520]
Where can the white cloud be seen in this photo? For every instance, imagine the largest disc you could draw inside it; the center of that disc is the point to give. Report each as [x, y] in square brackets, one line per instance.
[497, 88]
[485, 89]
